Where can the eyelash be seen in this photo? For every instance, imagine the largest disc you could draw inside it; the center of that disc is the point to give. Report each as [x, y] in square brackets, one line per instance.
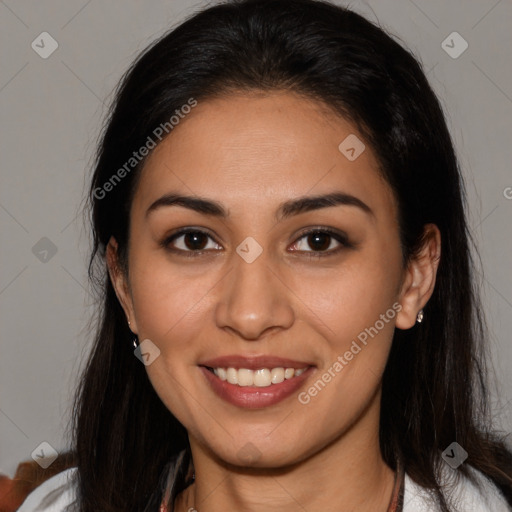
[339, 237]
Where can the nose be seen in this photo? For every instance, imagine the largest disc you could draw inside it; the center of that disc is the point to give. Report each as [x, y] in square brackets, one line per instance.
[254, 300]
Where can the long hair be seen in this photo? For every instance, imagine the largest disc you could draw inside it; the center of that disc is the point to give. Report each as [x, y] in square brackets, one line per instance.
[434, 386]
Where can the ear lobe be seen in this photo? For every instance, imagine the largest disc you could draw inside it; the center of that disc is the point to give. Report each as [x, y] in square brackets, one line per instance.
[120, 283]
[420, 278]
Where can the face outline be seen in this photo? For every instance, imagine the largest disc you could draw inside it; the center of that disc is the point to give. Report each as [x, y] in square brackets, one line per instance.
[251, 153]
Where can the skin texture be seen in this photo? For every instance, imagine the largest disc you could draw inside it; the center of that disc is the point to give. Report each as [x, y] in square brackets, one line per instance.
[252, 152]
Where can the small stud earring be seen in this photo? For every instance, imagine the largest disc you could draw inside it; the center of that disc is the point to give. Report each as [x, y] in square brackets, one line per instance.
[419, 317]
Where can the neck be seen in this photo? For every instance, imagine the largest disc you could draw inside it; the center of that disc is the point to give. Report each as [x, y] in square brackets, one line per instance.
[349, 474]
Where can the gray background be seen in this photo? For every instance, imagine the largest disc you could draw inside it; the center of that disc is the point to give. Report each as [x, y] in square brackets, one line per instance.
[51, 112]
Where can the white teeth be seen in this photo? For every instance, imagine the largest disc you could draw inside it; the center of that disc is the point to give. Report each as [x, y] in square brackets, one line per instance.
[288, 373]
[262, 377]
[221, 373]
[277, 375]
[232, 376]
[245, 377]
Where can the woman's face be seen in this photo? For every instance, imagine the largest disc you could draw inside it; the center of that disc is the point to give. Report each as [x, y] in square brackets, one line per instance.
[249, 288]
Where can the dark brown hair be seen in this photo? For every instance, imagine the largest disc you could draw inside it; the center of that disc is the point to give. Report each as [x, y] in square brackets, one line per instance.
[434, 389]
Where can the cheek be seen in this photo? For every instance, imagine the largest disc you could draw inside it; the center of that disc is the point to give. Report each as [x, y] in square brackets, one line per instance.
[345, 301]
[360, 306]
[168, 302]
[171, 307]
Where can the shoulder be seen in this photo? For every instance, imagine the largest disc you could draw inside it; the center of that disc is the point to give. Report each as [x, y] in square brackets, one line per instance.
[57, 494]
[462, 494]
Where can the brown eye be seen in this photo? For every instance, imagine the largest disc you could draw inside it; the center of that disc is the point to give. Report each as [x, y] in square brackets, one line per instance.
[195, 240]
[321, 242]
[191, 241]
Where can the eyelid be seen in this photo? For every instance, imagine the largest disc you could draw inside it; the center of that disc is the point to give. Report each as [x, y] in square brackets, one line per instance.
[168, 239]
[339, 236]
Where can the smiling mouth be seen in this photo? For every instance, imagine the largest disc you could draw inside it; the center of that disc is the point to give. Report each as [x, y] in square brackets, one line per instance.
[262, 377]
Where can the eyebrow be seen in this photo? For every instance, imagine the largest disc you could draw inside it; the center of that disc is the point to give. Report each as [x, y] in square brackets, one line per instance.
[285, 210]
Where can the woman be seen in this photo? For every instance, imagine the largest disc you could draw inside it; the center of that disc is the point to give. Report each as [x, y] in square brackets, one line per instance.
[279, 230]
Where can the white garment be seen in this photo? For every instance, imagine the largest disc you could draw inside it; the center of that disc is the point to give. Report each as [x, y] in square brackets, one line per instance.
[461, 494]
[53, 495]
[58, 492]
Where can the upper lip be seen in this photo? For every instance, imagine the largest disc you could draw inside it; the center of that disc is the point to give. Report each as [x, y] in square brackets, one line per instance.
[253, 362]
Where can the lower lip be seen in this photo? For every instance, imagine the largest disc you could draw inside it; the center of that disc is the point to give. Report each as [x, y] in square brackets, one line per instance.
[252, 397]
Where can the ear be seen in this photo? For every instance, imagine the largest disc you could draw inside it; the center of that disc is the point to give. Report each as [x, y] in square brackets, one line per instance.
[420, 278]
[120, 283]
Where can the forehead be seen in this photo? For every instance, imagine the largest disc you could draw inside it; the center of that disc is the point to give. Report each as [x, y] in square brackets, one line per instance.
[252, 149]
